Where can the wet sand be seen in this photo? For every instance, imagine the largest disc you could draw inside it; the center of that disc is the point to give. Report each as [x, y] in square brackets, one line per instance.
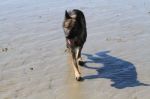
[33, 64]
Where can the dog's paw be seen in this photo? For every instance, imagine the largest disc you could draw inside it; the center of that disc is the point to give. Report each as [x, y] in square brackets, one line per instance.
[79, 79]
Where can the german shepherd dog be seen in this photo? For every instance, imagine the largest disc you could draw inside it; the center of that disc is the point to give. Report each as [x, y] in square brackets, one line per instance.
[74, 26]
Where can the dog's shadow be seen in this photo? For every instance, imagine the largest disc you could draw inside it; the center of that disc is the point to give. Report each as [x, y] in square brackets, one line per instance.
[122, 73]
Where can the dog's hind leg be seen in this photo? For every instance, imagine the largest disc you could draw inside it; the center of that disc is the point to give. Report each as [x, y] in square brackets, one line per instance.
[78, 56]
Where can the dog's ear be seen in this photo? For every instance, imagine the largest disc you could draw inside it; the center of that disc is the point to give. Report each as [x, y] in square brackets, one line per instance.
[67, 16]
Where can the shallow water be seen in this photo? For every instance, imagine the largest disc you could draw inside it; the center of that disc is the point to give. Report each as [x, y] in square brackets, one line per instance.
[33, 64]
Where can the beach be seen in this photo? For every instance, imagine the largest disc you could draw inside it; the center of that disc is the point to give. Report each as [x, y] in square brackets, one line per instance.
[34, 65]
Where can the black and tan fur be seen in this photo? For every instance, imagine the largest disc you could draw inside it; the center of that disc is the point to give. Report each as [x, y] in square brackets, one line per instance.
[74, 26]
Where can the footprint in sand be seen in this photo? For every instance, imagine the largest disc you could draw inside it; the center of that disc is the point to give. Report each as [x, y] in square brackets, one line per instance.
[3, 49]
[115, 39]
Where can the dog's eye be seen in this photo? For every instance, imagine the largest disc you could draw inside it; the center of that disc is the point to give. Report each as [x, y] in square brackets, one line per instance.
[66, 24]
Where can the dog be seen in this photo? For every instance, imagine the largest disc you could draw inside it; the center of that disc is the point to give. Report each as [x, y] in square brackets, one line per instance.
[74, 26]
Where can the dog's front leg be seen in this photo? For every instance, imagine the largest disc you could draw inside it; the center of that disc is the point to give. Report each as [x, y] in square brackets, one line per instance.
[75, 67]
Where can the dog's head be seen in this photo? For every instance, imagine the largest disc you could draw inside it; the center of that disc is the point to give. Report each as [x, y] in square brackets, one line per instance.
[69, 24]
